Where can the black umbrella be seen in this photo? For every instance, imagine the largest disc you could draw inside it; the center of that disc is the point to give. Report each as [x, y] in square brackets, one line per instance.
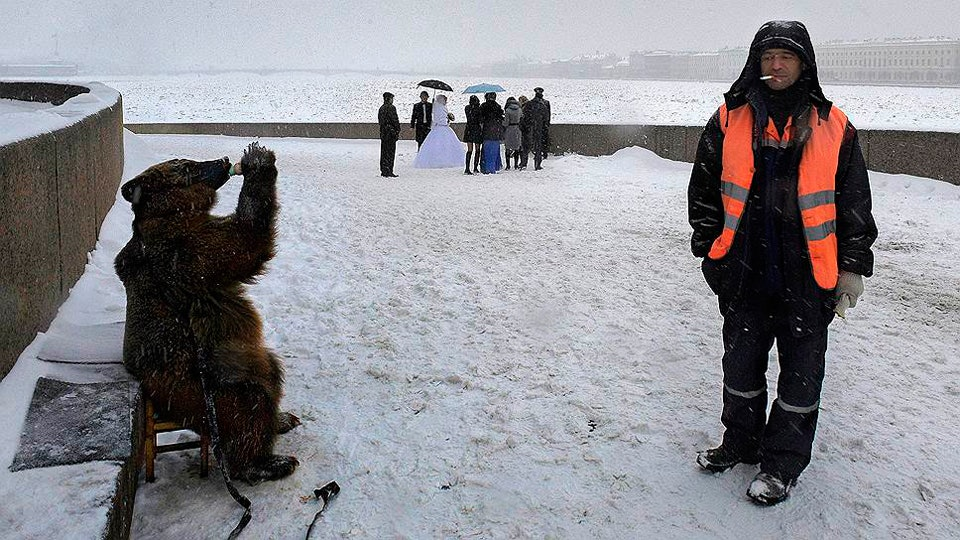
[436, 85]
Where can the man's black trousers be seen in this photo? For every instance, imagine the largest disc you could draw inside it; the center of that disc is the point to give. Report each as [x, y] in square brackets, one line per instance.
[388, 152]
[784, 440]
[422, 131]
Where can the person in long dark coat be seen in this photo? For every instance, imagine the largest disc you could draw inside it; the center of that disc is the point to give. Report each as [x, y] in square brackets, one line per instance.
[491, 127]
[472, 134]
[546, 125]
[389, 133]
[534, 121]
[422, 118]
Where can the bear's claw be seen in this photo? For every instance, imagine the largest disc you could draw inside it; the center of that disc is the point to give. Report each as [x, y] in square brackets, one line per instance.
[256, 156]
[287, 421]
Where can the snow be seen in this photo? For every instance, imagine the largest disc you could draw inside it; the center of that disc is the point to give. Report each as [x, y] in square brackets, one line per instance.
[311, 97]
[24, 119]
[535, 354]
[520, 355]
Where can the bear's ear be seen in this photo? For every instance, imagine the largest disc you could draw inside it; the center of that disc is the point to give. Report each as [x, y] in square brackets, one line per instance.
[131, 191]
[136, 189]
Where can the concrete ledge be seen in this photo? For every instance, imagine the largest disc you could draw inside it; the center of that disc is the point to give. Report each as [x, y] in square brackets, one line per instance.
[55, 188]
[918, 153]
[71, 423]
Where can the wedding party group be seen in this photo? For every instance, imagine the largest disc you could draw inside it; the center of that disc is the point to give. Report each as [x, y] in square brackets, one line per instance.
[521, 126]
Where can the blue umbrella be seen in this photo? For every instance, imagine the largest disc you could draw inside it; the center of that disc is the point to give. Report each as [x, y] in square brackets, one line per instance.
[483, 88]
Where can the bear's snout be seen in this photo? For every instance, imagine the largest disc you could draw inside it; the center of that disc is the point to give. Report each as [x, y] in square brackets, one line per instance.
[215, 173]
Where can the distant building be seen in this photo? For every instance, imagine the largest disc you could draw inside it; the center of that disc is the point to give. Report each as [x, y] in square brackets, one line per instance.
[917, 62]
[909, 62]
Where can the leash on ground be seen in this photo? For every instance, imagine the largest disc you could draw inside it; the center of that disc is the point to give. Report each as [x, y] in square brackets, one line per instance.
[217, 450]
[324, 494]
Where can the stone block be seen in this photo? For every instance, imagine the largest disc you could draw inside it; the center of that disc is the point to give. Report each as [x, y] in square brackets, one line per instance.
[70, 423]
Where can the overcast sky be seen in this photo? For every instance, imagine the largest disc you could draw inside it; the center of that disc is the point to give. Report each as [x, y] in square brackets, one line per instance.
[136, 35]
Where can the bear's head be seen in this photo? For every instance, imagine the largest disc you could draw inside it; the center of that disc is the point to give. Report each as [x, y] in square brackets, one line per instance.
[176, 187]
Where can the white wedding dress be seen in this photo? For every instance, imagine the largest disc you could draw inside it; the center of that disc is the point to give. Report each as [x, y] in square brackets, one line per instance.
[441, 149]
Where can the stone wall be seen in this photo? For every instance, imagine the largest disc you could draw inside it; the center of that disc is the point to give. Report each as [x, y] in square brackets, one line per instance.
[55, 189]
[919, 153]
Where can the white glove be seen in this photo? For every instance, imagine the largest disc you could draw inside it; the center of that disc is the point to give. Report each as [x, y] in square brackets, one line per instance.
[848, 291]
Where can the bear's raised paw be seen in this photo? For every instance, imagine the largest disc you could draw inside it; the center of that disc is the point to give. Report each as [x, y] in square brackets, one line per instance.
[256, 157]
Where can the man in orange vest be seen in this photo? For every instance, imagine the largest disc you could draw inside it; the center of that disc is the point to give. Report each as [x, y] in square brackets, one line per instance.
[780, 206]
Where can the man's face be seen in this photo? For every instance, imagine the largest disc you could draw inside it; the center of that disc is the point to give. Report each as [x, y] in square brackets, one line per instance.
[424, 97]
[388, 100]
[783, 65]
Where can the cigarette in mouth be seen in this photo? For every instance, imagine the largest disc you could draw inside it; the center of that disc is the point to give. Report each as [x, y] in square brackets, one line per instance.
[766, 77]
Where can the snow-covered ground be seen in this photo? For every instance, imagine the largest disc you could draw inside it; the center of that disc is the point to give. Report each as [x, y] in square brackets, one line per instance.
[535, 355]
[308, 97]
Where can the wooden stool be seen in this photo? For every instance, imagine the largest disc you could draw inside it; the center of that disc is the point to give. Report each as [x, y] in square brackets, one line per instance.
[151, 448]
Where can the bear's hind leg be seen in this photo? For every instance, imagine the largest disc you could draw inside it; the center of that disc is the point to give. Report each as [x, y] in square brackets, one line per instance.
[271, 467]
[248, 419]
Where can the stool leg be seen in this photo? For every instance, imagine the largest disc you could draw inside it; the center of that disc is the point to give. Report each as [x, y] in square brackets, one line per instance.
[204, 453]
[149, 442]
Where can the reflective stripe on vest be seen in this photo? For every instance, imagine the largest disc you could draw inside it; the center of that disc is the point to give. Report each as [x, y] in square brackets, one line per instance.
[816, 183]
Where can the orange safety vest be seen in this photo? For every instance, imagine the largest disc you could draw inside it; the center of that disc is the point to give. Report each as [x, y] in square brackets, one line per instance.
[816, 184]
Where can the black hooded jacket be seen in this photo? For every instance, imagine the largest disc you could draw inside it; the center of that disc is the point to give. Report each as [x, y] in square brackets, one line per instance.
[769, 260]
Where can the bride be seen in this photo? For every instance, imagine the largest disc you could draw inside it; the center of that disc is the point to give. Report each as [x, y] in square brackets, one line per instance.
[442, 148]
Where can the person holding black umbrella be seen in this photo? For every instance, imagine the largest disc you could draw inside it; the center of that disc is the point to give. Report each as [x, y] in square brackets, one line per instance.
[422, 118]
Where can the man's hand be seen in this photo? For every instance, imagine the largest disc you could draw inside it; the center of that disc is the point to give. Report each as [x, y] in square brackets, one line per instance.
[848, 291]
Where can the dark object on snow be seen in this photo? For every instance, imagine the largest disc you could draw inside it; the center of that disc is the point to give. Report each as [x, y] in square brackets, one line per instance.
[72, 423]
[436, 85]
[324, 495]
[327, 492]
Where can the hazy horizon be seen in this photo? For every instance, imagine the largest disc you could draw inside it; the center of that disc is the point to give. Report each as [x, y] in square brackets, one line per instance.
[131, 37]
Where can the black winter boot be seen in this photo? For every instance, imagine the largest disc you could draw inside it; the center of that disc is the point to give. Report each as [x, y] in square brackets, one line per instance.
[768, 489]
[466, 164]
[508, 160]
[516, 160]
[722, 458]
[476, 162]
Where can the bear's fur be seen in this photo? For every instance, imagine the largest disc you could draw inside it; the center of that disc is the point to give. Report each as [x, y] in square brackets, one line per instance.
[184, 272]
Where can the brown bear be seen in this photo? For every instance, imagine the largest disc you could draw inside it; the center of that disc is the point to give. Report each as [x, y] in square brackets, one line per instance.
[185, 272]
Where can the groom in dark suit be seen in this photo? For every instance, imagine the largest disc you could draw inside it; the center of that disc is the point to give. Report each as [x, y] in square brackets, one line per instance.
[422, 118]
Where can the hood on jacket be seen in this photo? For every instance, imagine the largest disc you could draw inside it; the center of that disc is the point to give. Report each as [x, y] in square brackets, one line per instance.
[790, 35]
